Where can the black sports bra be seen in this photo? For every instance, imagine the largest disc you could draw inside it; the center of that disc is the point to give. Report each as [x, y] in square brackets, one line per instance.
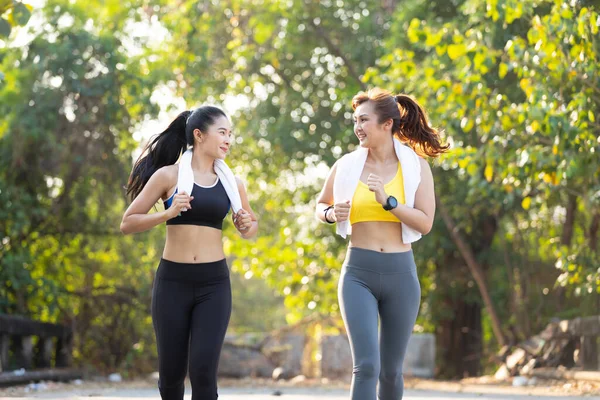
[209, 207]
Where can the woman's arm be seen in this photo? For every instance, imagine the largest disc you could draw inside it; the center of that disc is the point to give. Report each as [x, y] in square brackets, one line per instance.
[421, 216]
[245, 220]
[340, 211]
[325, 198]
[136, 218]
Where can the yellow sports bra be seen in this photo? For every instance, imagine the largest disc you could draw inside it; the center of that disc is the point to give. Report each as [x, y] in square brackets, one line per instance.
[364, 206]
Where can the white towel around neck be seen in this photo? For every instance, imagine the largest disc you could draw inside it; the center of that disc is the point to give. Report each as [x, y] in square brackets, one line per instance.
[185, 179]
[348, 173]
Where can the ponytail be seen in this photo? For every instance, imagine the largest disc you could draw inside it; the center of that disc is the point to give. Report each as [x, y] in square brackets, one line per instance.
[415, 129]
[163, 150]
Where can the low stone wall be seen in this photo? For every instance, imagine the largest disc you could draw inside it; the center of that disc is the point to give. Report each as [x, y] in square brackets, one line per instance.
[242, 357]
[336, 362]
[286, 352]
[240, 362]
[420, 356]
[336, 358]
[258, 356]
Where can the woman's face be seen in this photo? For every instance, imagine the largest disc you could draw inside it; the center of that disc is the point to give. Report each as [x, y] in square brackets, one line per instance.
[216, 140]
[367, 128]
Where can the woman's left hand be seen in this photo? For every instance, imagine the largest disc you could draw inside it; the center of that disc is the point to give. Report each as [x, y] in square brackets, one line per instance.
[376, 185]
[242, 221]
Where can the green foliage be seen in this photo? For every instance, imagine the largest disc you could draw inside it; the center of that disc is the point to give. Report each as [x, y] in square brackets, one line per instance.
[13, 13]
[256, 306]
[293, 64]
[65, 150]
[513, 85]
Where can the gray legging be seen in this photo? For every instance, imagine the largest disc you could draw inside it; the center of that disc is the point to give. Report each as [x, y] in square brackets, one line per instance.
[376, 284]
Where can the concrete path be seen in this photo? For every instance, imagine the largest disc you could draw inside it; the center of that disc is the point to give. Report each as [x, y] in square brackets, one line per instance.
[285, 394]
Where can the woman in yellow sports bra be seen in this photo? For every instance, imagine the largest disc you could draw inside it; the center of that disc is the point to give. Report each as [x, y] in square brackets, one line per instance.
[382, 193]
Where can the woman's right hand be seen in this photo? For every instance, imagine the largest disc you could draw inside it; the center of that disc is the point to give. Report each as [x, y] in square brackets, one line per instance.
[341, 211]
[181, 203]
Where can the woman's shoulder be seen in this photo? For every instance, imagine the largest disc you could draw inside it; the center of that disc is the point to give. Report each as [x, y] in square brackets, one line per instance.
[168, 173]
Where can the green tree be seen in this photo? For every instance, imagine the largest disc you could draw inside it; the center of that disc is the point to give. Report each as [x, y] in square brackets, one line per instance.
[70, 100]
[514, 94]
[293, 65]
[13, 13]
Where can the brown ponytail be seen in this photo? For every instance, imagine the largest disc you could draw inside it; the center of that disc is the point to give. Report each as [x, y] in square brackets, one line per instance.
[410, 123]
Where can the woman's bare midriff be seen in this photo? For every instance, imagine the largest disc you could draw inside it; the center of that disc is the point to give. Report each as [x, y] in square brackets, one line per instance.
[385, 237]
[193, 244]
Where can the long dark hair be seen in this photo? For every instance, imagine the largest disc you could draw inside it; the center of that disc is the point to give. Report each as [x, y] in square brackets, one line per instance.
[410, 122]
[167, 146]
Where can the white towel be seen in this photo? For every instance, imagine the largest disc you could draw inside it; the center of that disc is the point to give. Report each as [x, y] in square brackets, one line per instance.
[185, 179]
[348, 173]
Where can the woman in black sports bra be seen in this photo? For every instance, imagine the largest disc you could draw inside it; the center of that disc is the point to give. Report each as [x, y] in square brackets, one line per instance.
[191, 298]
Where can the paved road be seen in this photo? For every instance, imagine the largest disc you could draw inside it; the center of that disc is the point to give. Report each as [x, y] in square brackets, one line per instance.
[287, 394]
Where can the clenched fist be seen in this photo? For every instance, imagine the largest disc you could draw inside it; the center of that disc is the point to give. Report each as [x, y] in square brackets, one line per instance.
[341, 211]
[242, 220]
[376, 185]
[181, 202]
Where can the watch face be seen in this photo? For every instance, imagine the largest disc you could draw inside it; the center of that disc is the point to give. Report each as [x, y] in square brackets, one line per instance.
[393, 203]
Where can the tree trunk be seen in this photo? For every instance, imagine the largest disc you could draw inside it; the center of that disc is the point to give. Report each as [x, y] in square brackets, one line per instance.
[567, 233]
[593, 233]
[476, 270]
[567, 236]
[459, 339]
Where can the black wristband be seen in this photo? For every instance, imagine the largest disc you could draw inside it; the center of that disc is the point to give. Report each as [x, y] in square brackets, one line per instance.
[325, 215]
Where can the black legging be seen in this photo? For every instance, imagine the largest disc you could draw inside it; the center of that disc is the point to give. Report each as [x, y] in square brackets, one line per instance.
[191, 306]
